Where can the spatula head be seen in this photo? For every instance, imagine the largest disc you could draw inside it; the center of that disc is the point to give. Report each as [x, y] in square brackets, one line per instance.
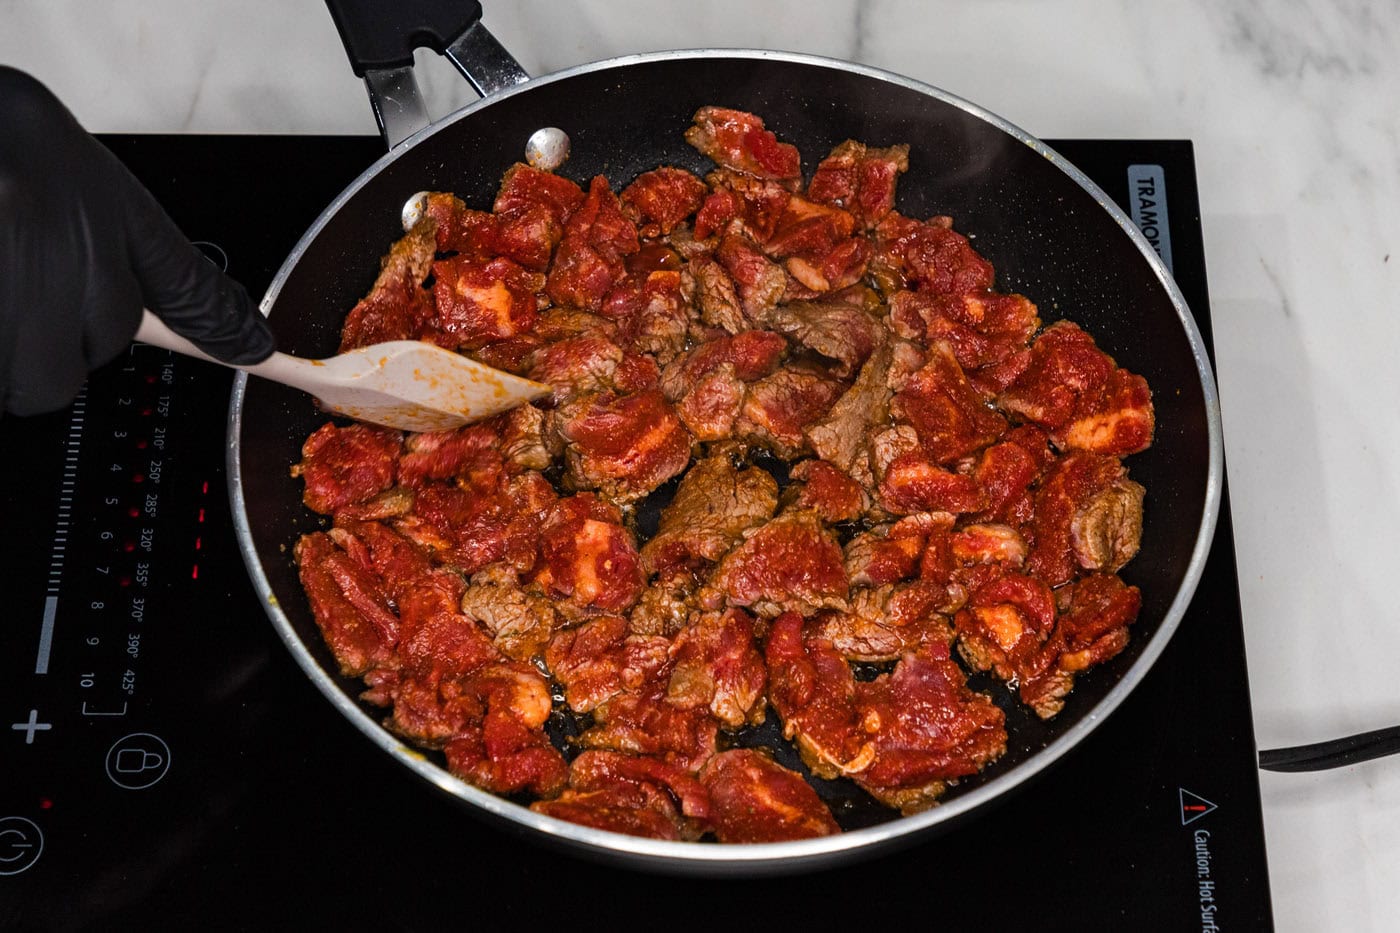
[415, 386]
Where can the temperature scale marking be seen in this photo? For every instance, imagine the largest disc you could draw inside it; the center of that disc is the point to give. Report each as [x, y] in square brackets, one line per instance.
[60, 534]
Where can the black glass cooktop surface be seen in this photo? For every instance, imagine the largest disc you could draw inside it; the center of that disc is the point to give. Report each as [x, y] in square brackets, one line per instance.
[165, 764]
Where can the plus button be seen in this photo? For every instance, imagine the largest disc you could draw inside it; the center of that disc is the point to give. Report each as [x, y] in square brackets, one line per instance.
[31, 726]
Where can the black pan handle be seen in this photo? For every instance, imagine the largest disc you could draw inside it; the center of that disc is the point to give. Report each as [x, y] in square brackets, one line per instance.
[381, 34]
[380, 37]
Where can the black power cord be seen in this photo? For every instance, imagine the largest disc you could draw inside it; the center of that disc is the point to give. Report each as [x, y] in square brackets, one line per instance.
[1337, 753]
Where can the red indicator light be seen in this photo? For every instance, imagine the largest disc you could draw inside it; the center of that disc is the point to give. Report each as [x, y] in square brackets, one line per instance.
[134, 512]
[128, 547]
[194, 572]
[205, 487]
[196, 544]
[45, 803]
[140, 445]
[125, 581]
[138, 478]
[201, 515]
[145, 412]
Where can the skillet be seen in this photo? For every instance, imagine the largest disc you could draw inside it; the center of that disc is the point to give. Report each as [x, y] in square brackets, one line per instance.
[1050, 233]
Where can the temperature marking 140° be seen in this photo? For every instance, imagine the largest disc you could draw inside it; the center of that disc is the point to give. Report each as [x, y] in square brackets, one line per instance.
[61, 525]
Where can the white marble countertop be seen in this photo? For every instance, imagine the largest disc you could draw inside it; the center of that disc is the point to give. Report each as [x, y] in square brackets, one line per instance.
[1292, 108]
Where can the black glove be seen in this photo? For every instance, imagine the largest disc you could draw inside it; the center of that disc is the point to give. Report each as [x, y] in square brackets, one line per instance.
[83, 246]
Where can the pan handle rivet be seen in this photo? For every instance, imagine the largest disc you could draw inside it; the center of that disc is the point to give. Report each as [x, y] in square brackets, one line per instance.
[413, 210]
[547, 148]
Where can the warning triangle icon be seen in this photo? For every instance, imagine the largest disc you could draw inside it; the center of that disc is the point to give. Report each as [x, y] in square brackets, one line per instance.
[1193, 806]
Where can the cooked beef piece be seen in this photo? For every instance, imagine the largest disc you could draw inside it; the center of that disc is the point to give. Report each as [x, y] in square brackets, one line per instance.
[860, 179]
[1007, 470]
[790, 564]
[836, 330]
[843, 437]
[398, 565]
[1080, 395]
[575, 366]
[520, 623]
[1107, 529]
[525, 442]
[397, 306]
[624, 446]
[717, 666]
[665, 605]
[779, 407]
[459, 229]
[645, 724]
[599, 659]
[755, 799]
[927, 728]
[713, 506]
[1092, 627]
[632, 794]
[652, 311]
[741, 204]
[391, 503]
[711, 407]
[951, 418]
[885, 622]
[345, 466]
[1092, 493]
[353, 615]
[717, 296]
[752, 354]
[807, 227]
[659, 200]
[891, 552]
[758, 281]
[738, 141]
[824, 489]
[588, 561]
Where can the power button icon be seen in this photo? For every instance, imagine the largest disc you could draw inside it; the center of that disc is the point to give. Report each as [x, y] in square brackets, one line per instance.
[21, 844]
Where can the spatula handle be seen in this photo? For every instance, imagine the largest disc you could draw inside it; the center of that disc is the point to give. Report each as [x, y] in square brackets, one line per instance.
[279, 367]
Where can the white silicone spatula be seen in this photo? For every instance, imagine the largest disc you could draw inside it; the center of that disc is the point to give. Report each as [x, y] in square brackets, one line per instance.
[402, 384]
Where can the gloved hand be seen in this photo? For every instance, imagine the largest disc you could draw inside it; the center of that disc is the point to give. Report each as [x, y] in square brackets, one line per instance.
[83, 246]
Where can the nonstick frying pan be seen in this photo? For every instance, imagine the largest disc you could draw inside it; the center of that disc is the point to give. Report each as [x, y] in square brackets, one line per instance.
[1050, 233]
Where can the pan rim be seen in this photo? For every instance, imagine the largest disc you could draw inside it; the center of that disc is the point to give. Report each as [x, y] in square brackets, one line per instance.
[779, 856]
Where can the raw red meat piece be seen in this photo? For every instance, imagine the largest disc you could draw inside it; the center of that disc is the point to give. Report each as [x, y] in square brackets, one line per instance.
[625, 446]
[741, 204]
[755, 799]
[1004, 625]
[792, 563]
[1005, 472]
[927, 728]
[397, 306]
[509, 752]
[913, 482]
[398, 565]
[717, 666]
[833, 495]
[931, 256]
[660, 199]
[353, 615]
[860, 179]
[1077, 392]
[652, 313]
[645, 724]
[599, 659]
[989, 332]
[342, 466]
[812, 689]
[738, 140]
[531, 208]
[472, 452]
[632, 794]
[808, 228]
[950, 417]
[481, 302]
[881, 556]
[1092, 627]
[460, 229]
[590, 258]
[587, 558]
[471, 529]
